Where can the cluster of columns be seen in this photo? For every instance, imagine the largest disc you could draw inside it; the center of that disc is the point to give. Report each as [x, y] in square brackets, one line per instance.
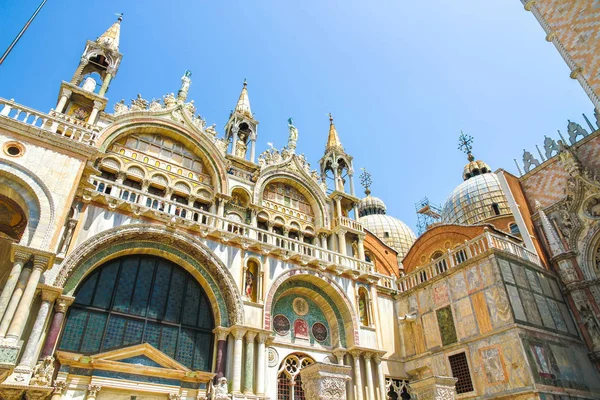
[249, 352]
[372, 361]
[16, 300]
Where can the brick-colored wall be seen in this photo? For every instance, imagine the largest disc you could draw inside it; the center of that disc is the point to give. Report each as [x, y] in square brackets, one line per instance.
[576, 25]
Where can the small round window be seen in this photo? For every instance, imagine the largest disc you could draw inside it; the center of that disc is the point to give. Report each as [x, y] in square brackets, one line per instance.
[14, 149]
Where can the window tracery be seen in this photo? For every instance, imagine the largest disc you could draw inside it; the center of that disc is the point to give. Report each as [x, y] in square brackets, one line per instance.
[289, 382]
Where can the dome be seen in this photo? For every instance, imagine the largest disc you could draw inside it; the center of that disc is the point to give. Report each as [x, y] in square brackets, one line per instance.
[371, 205]
[476, 199]
[390, 230]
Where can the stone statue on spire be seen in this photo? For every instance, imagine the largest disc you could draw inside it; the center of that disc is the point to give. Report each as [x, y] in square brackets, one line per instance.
[185, 86]
[291, 146]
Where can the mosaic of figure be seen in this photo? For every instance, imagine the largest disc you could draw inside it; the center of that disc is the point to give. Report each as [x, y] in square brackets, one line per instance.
[301, 328]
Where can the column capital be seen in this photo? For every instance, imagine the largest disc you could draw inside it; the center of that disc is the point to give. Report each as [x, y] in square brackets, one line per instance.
[221, 332]
[97, 104]
[377, 357]
[250, 335]
[367, 355]
[20, 255]
[49, 293]
[67, 92]
[342, 232]
[42, 260]
[263, 337]
[93, 390]
[59, 386]
[238, 332]
[63, 303]
[355, 352]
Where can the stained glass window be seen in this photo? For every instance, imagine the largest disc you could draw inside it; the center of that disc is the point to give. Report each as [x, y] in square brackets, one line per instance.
[142, 299]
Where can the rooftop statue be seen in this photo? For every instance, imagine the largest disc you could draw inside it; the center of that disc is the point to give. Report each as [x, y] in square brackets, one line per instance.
[575, 130]
[293, 136]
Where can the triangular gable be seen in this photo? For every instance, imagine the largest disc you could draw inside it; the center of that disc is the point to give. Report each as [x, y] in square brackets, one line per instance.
[141, 360]
[139, 352]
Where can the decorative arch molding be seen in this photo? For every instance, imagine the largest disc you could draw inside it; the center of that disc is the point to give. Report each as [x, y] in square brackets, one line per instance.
[193, 140]
[38, 199]
[589, 243]
[183, 249]
[301, 181]
[303, 281]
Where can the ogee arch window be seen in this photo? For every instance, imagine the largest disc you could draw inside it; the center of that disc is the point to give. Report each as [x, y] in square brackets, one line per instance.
[142, 299]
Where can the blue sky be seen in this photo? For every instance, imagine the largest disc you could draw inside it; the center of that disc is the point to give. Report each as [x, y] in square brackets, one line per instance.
[401, 78]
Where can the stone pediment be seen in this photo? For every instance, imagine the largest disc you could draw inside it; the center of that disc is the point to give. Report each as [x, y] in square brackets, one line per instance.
[141, 359]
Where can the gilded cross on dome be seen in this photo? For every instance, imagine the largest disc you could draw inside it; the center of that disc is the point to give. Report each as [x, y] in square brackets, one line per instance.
[465, 144]
[366, 181]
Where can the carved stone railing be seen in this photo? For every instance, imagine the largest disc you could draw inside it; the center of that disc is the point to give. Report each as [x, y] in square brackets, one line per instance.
[348, 223]
[461, 254]
[53, 123]
[139, 202]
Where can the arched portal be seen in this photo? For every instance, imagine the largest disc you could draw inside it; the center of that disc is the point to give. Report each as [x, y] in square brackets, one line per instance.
[289, 382]
[141, 299]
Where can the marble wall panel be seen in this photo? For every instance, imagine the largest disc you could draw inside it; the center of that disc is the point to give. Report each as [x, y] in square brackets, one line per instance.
[545, 285]
[493, 365]
[481, 312]
[431, 330]
[534, 281]
[413, 304]
[499, 307]
[489, 272]
[474, 278]
[557, 316]
[544, 311]
[515, 301]
[531, 310]
[445, 321]
[458, 286]
[440, 293]
[439, 365]
[466, 325]
[555, 289]
[425, 300]
[408, 331]
[419, 336]
[520, 275]
[506, 271]
[568, 319]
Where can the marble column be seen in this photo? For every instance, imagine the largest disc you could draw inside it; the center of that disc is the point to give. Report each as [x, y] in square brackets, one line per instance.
[261, 364]
[351, 178]
[252, 147]
[369, 373]
[93, 392]
[236, 379]
[339, 354]
[338, 207]
[361, 247]
[49, 295]
[92, 119]
[234, 138]
[105, 84]
[15, 330]
[14, 301]
[380, 376]
[342, 242]
[62, 102]
[60, 309]
[358, 386]
[20, 258]
[221, 352]
[249, 366]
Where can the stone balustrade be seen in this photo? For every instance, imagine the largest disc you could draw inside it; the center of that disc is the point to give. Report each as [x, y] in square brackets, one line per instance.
[348, 223]
[53, 123]
[461, 254]
[140, 202]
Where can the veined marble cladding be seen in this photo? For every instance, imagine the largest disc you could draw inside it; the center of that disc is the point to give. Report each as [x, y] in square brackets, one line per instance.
[535, 298]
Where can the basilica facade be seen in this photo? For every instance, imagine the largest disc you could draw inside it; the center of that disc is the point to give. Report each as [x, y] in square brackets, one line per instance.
[154, 258]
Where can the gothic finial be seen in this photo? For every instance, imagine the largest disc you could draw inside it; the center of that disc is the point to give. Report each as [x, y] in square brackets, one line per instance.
[330, 118]
[245, 82]
[366, 181]
[120, 16]
[465, 144]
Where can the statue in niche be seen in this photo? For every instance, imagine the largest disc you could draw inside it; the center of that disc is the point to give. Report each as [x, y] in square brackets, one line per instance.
[529, 160]
[362, 309]
[591, 325]
[89, 85]
[241, 146]
[249, 287]
[293, 136]
[221, 391]
[42, 372]
[575, 130]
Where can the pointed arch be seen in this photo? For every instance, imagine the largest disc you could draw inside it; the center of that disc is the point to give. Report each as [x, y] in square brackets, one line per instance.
[181, 248]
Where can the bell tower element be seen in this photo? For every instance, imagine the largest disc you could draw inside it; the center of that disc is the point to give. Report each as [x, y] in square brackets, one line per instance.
[241, 128]
[83, 98]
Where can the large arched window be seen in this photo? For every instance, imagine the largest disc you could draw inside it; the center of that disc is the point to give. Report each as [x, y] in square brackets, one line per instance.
[289, 382]
[142, 299]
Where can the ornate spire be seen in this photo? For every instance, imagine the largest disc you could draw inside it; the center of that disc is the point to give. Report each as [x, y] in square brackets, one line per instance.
[110, 38]
[556, 246]
[243, 104]
[366, 181]
[333, 141]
